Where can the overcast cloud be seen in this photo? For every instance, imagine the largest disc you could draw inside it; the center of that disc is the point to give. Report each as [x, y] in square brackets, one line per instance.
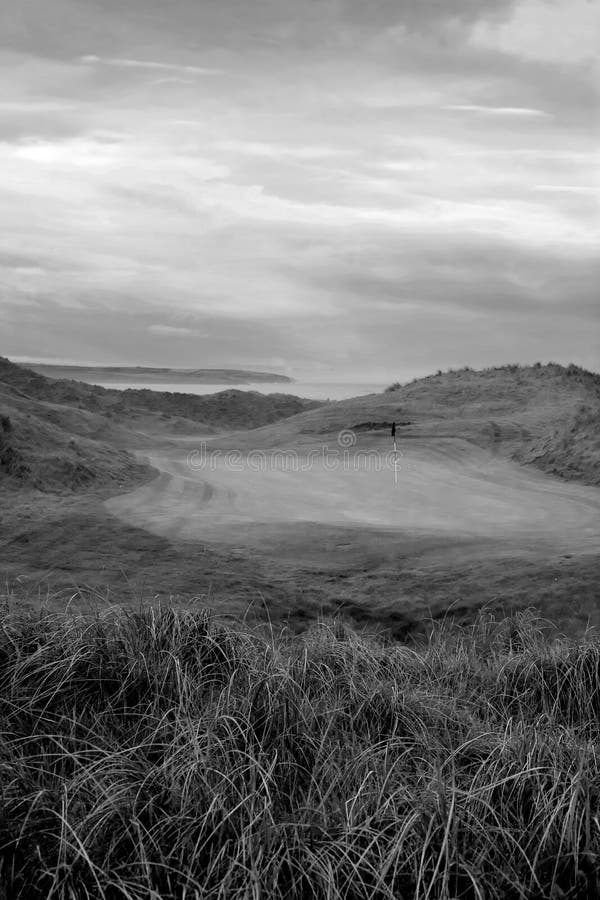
[326, 186]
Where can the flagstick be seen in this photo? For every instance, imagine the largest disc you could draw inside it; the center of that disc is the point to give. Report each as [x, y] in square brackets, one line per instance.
[395, 467]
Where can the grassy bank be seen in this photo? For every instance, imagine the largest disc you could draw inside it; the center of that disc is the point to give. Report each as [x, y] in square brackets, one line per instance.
[165, 754]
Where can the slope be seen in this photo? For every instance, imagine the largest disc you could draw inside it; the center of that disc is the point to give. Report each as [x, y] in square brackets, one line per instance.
[546, 416]
[58, 434]
[225, 409]
[51, 447]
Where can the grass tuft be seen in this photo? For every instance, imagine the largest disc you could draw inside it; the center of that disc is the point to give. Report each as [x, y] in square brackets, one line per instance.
[165, 754]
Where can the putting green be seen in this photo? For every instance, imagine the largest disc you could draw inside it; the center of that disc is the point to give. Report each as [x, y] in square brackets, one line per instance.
[448, 489]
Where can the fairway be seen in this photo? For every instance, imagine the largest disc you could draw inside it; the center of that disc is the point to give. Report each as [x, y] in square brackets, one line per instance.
[440, 491]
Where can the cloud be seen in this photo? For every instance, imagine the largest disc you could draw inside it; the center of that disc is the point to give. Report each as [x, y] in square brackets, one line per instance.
[281, 151]
[76, 152]
[147, 64]
[33, 106]
[367, 181]
[170, 330]
[569, 188]
[172, 79]
[407, 165]
[134, 162]
[496, 110]
[563, 31]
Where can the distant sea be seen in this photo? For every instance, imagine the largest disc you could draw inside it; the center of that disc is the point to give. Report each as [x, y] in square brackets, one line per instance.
[313, 390]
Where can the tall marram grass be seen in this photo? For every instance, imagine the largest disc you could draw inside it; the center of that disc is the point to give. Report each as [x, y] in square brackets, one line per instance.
[164, 754]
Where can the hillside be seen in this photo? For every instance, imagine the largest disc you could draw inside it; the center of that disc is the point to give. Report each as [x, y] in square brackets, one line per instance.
[225, 409]
[460, 528]
[51, 447]
[58, 434]
[95, 374]
[547, 416]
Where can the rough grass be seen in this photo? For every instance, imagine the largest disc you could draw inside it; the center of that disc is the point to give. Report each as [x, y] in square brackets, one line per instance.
[230, 408]
[164, 754]
[547, 416]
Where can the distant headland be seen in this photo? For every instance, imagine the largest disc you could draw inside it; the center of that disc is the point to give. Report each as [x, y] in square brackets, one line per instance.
[145, 374]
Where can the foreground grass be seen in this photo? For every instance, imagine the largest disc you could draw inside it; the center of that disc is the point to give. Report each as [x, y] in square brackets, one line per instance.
[163, 754]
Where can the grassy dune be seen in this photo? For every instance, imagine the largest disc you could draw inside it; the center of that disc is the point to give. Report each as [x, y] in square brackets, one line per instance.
[226, 409]
[58, 435]
[547, 416]
[544, 415]
[164, 754]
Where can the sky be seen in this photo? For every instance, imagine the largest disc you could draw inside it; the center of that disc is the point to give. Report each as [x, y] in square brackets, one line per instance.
[325, 188]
